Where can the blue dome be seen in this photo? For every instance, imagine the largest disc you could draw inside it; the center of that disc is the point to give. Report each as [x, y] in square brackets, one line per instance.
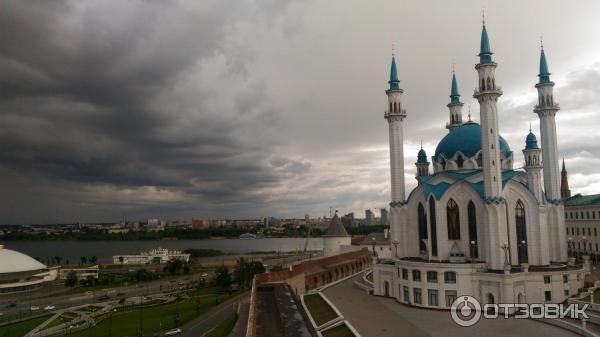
[531, 142]
[467, 140]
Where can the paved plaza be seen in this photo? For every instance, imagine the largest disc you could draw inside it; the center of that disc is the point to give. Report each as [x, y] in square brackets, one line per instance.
[375, 316]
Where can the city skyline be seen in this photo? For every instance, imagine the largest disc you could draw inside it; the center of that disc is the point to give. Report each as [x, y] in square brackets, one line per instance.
[244, 109]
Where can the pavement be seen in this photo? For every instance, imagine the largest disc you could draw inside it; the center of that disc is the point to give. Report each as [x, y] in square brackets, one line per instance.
[374, 316]
[210, 319]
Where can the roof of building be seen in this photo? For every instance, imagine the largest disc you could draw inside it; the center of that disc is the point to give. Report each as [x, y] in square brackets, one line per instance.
[380, 239]
[544, 73]
[336, 228]
[465, 139]
[474, 178]
[531, 142]
[583, 200]
[14, 262]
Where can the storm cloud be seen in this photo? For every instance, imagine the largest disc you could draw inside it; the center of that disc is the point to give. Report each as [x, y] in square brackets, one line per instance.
[256, 108]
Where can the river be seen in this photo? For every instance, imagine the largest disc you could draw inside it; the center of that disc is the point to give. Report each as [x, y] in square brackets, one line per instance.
[104, 250]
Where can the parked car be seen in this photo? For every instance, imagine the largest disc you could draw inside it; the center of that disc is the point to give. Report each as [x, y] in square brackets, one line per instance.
[173, 332]
[49, 307]
[34, 308]
[11, 305]
[103, 298]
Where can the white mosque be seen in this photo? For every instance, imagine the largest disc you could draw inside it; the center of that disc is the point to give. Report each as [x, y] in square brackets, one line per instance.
[475, 225]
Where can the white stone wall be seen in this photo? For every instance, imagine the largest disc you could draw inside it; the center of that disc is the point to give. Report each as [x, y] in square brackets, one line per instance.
[332, 245]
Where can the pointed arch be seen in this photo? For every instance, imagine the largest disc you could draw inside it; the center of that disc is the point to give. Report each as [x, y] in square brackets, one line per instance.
[472, 218]
[433, 226]
[460, 161]
[422, 218]
[489, 84]
[521, 229]
[453, 220]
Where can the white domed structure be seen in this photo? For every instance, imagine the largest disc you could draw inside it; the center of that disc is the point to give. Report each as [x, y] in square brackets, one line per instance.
[20, 272]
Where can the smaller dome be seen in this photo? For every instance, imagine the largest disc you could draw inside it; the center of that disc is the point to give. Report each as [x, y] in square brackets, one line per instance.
[531, 142]
[422, 157]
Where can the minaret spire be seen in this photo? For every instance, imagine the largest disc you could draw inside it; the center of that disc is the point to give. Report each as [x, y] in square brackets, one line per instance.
[455, 105]
[565, 192]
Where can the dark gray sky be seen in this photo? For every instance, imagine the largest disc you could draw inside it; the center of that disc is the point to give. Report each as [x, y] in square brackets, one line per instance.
[268, 107]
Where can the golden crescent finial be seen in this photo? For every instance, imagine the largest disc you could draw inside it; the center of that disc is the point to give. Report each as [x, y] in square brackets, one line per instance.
[469, 112]
[529, 126]
[393, 49]
[453, 65]
[542, 41]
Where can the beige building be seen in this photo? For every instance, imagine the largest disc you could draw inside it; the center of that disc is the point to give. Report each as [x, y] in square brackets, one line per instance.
[582, 219]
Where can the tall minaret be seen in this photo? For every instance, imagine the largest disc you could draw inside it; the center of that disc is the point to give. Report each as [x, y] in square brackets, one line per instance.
[533, 165]
[395, 115]
[455, 105]
[487, 95]
[565, 192]
[546, 109]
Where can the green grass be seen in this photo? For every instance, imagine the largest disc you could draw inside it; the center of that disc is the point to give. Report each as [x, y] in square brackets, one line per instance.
[319, 310]
[155, 319]
[21, 328]
[338, 331]
[596, 297]
[225, 327]
[370, 277]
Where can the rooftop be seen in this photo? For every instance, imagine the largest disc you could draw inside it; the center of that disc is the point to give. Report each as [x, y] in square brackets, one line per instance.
[583, 200]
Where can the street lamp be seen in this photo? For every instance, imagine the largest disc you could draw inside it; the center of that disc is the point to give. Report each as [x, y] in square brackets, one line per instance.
[505, 249]
[473, 243]
[373, 240]
[524, 251]
[395, 243]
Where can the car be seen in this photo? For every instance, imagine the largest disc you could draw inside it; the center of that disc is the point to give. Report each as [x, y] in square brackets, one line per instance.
[103, 298]
[34, 308]
[11, 305]
[173, 332]
[49, 307]
[89, 293]
[120, 294]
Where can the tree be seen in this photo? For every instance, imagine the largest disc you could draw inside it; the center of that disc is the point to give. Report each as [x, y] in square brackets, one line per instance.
[244, 272]
[94, 260]
[71, 279]
[223, 278]
[57, 259]
[83, 260]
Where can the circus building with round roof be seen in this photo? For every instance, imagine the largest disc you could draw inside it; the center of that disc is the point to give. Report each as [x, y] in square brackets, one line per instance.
[475, 225]
[20, 272]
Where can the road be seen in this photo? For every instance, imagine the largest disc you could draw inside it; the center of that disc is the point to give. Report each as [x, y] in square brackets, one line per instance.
[212, 318]
[65, 300]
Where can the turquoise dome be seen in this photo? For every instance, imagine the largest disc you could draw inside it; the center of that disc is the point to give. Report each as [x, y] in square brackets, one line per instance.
[531, 142]
[467, 140]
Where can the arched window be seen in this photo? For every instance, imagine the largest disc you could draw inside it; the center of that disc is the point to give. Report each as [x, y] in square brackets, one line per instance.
[395, 110]
[474, 249]
[479, 160]
[482, 84]
[453, 220]
[433, 226]
[489, 84]
[390, 106]
[422, 217]
[521, 227]
[460, 161]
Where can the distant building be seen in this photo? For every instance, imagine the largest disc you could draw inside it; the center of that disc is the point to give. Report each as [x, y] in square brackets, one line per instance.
[154, 256]
[384, 217]
[381, 242]
[155, 225]
[306, 218]
[369, 217]
[582, 219]
[200, 223]
[82, 272]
